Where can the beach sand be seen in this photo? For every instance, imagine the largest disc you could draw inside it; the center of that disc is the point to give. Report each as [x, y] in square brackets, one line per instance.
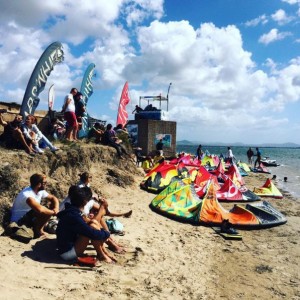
[165, 259]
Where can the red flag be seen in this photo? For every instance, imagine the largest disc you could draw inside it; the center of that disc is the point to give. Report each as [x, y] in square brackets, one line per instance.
[124, 100]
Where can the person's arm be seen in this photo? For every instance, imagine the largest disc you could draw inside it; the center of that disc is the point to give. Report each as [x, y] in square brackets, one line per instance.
[40, 208]
[26, 133]
[2, 122]
[82, 228]
[54, 201]
[66, 104]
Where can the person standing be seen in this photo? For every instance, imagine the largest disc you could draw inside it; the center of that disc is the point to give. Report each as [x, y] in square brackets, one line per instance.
[258, 157]
[27, 208]
[199, 152]
[70, 116]
[160, 146]
[230, 155]
[250, 154]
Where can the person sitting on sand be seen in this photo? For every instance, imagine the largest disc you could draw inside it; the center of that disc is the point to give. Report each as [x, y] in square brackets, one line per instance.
[96, 132]
[96, 208]
[56, 129]
[74, 233]
[158, 158]
[147, 164]
[31, 132]
[109, 138]
[12, 137]
[27, 208]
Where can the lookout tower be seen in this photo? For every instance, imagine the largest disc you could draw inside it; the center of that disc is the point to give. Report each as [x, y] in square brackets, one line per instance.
[150, 125]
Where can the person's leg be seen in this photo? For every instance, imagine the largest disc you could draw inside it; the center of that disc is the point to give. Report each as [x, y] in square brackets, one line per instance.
[116, 146]
[39, 223]
[68, 133]
[74, 132]
[18, 136]
[48, 143]
[113, 245]
[81, 244]
[123, 150]
[102, 254]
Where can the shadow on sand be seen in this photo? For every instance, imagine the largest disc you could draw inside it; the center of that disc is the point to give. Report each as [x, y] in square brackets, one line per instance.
[44, 251]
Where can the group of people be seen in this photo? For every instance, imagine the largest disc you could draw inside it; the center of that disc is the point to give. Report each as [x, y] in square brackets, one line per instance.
[149, 107]
[74, 109]
[250, 155]
[24, 134]
[81, 217]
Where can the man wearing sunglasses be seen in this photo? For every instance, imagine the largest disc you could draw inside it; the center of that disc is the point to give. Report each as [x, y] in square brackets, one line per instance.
[27, 208]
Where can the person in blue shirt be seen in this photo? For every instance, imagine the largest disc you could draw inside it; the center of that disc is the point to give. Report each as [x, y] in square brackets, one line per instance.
[258, 159]
[74, 233]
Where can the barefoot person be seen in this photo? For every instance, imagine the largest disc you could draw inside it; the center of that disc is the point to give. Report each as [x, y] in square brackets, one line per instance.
[70, 116]
[95, 209]
[27, 209]
[74, 233]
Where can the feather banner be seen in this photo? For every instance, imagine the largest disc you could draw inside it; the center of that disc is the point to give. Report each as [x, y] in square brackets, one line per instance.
[51, 56]
[124, 100]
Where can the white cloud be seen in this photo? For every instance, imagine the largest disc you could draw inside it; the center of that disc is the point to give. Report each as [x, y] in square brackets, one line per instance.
[292, 2]
[216, 85]
[259, 20]
[272, 36]
[139, 10]
[281, 17]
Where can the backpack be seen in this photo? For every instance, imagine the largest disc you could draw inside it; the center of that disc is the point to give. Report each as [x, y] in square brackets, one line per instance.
[20, 233]
[114, 226]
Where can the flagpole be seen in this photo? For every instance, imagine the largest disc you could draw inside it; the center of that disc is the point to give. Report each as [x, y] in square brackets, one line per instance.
[168, 96]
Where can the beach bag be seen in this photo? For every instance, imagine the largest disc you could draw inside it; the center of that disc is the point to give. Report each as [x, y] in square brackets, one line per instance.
[20, 233]
[51, 225]
[115, 226]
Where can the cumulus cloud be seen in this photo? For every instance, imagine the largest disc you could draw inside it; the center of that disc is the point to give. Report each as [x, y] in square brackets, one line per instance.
[272, 36]
[216, 84]
[281, 17]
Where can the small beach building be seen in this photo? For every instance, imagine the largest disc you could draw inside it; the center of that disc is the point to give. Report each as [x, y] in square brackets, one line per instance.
[148, 127]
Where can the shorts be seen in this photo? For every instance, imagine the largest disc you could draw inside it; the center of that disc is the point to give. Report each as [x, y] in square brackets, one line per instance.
[28, 219]
[70, 117]
[69, 255]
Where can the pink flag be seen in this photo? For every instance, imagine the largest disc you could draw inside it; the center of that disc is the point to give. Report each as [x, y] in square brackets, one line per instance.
[124, 100]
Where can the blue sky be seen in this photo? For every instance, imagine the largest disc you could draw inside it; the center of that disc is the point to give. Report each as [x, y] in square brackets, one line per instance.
[234, 65]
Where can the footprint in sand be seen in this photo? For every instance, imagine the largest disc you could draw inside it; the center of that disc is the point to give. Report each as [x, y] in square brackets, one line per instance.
[130, 257]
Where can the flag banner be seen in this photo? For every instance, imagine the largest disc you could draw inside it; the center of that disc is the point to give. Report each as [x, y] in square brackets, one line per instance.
[124, 100]
[51, 56]
[51, 96]
[87, 85]
[87, 91]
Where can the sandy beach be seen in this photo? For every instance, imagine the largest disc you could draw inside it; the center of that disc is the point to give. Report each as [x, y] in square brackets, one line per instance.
[165, 259]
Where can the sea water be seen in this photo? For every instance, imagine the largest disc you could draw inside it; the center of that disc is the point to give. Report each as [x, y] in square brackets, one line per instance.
[287, 158]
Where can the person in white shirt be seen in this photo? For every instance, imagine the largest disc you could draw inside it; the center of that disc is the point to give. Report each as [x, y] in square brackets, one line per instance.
[70, 116]
[230, 155]
[27, 208]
